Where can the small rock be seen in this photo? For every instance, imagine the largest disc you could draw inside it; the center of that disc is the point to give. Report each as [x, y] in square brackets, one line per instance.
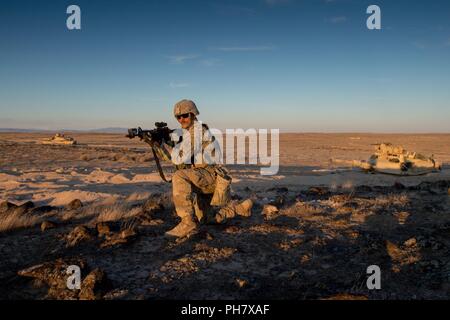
[241, 283]
[74, 204]
[232, 229]
[402, 217]
[85, 157]
[54, 275]
[103, 229]
[410, 242]
[317, 191]
[94, 285]
[305, 258]
[123, 237]
[59, 170]
[269, 210]
[77, 235]
[47, 225]
[127, 233]
[201, 246]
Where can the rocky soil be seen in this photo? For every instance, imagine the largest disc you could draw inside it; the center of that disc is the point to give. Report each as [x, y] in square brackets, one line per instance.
[314, 229]
[310, 244]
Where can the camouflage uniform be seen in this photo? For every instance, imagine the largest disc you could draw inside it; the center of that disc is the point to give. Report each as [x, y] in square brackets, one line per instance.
[193, 184]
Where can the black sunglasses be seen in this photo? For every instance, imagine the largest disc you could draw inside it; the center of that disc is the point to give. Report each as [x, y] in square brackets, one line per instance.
[184, 116]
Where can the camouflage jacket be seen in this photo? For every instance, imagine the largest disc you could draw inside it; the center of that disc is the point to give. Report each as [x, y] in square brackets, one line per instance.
[206, 151]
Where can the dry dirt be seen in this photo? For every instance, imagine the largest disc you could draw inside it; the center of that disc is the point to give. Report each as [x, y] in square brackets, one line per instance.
[101, 205]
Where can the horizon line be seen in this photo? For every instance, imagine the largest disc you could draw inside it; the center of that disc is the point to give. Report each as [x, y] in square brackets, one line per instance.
[114, 130]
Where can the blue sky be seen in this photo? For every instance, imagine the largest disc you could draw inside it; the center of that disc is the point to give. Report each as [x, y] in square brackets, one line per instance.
[305, 65]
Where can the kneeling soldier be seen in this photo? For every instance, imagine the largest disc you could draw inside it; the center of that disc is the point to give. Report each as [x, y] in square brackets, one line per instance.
[197, 186]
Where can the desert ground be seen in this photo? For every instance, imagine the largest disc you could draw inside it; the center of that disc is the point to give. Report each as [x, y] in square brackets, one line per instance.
[315, 227]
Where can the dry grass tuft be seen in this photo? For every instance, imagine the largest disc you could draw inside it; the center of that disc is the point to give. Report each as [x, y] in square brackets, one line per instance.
[115, 212]
[392, 199]
[16, 220]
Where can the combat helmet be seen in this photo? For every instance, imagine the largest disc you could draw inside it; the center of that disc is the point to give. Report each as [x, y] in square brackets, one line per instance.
[185, 106]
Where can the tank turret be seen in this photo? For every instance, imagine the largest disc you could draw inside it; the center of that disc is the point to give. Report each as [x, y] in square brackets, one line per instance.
[395, 160]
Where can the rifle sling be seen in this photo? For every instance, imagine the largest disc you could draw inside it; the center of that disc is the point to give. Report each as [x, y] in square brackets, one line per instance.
[158, 165]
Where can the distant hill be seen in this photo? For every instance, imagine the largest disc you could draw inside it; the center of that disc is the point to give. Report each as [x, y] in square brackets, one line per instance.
[24, 130]
[109, 130]
[101, 130]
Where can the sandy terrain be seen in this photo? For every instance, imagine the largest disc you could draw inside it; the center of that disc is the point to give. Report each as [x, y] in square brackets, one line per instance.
[331, 223]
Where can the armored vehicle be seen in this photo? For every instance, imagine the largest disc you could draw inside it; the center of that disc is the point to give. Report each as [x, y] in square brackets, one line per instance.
[396, 160]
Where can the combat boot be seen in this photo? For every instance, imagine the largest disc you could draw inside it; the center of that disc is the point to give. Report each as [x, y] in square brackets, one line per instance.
[184, 228]
[231, 210]
[244, 208]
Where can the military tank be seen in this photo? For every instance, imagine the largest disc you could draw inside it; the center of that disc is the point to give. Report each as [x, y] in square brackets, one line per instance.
[395, 160]
[59, 139]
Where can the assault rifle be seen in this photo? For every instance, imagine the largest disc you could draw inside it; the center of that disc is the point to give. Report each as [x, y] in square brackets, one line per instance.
[160, 134]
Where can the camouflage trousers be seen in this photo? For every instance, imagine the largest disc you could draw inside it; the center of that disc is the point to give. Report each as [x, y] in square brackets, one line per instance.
[193, 189]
